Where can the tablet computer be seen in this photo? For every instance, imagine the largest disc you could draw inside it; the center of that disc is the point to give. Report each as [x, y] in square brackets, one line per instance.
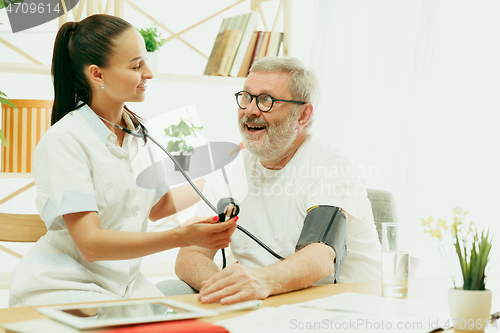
[100, 315]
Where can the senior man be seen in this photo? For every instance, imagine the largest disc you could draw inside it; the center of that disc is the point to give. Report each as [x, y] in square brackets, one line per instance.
[303, 200]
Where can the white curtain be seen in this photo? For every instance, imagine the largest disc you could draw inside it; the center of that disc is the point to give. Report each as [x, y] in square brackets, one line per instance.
[409, 92]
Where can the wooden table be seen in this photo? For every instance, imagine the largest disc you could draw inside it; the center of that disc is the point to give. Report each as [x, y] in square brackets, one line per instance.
[424, 289]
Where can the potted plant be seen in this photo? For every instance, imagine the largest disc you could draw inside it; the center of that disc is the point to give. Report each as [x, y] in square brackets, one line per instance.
[470, 304]
[180, 133]
[153, 41]
[5, 100]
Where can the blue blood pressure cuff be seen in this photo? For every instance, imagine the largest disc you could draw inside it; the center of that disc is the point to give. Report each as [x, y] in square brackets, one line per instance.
[326, 225]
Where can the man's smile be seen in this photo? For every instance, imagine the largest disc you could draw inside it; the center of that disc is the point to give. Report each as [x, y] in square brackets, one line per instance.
[255, 128]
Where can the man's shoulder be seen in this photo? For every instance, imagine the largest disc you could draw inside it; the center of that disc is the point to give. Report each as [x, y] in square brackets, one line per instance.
[320, 151]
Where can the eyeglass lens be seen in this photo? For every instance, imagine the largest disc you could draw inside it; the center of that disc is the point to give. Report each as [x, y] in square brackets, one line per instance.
[264, 101]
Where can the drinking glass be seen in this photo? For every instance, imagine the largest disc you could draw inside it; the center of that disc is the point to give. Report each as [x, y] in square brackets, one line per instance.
[395, 259]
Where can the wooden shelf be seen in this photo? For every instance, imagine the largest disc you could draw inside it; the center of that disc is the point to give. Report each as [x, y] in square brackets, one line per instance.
[15, 175]
[198, 78]
[164, 77]
[12, 67]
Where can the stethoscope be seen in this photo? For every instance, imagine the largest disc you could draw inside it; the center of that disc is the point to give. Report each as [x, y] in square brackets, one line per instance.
[142, 132]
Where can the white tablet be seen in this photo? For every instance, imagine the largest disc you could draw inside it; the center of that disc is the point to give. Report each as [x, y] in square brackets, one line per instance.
[99, 315]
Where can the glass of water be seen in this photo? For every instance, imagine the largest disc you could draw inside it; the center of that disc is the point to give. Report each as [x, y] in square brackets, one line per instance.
[395, 259]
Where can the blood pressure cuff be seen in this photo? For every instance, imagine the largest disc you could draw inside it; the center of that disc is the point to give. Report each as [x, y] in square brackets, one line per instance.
[326, 225]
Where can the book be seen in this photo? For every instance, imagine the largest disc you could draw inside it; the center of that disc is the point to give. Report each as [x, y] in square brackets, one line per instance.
[274, 43]
[48, 325]
[223, 52]
[178, 326]
[245, 43]
[238, 22]
[256, 51]
[230, 46]
[280, 43]
[245, 65]
[265, 43]
[235, 22]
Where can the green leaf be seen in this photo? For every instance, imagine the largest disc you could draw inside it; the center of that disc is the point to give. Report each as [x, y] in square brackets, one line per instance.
[195, 130]
[2, 138]
[184, 128]
[189, 149]
[176, 131]
[173, 146]
[152, 38]
[473, 257]
[6, 101]
[182, 131]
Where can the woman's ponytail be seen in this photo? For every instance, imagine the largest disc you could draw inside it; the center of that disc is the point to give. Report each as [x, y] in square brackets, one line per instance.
[65, 96]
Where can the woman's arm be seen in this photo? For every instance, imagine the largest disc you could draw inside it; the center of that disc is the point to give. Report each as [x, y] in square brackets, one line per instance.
[176, 200]
[97, 244]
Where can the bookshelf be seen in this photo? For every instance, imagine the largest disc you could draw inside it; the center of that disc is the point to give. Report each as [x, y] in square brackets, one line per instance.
[96, 6]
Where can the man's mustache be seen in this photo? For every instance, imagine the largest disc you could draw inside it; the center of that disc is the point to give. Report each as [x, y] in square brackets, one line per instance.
[245, 120]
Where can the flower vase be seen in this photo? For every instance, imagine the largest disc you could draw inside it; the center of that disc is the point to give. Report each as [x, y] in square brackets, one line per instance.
[469, 309]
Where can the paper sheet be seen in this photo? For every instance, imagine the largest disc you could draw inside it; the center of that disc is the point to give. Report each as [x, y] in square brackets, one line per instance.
[348, 312]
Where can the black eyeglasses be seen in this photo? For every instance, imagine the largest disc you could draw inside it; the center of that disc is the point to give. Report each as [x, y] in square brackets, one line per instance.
[264, 102]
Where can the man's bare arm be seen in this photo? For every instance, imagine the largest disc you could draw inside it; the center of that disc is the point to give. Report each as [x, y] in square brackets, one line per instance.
[195, 264]
[301, 270]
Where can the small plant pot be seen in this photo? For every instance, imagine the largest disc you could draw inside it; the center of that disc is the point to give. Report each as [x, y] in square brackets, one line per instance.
[183, 160]
[469, 309]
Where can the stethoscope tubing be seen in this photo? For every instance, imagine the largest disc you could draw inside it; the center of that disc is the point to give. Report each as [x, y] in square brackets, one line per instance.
[248, 233]
[146, 135]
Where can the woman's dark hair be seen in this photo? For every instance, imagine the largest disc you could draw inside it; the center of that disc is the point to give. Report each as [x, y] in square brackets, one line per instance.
[89, 42]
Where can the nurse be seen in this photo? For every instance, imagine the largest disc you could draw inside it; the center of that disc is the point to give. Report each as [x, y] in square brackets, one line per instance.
[87, 195]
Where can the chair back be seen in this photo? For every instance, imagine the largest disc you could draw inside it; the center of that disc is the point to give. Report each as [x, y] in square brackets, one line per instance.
[21, 227]
[383, 207]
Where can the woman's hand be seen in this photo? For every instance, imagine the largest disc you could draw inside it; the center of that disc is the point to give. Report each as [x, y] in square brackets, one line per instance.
[208, 233]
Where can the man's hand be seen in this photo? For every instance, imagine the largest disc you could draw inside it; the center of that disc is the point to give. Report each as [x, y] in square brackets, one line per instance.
[235, 284]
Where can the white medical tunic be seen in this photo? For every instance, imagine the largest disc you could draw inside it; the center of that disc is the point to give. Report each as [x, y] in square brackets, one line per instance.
[274, 204]
[78, 167]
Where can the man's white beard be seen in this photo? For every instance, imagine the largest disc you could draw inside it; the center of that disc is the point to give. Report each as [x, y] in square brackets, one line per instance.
[276, 143]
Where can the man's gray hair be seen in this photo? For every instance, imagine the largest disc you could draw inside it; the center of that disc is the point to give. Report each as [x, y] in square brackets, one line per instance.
[303, 84]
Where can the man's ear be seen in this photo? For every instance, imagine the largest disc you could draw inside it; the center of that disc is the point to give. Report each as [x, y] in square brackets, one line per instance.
[305, 115]
[95, 75]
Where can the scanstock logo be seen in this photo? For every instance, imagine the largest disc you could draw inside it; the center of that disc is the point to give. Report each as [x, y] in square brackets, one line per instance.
[26, 14]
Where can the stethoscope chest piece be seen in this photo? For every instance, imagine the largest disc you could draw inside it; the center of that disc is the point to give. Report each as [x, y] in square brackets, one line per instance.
[227, 208]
